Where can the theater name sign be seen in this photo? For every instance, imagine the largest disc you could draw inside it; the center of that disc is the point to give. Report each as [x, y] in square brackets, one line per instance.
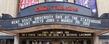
[55, 13]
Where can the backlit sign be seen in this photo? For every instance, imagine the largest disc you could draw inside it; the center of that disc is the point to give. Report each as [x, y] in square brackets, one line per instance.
[55, 7]
[25, 3]
[56, 34]
[88, 3]
[60, 8]
[41, 19]
[55, 13]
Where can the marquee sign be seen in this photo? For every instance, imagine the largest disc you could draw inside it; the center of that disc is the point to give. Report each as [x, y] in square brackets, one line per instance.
[55, 7]
[56, 34]
[55, 13]
[41, 19]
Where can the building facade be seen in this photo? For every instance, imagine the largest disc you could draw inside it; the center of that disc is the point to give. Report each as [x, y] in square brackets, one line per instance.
[10, 7]
[54, 22]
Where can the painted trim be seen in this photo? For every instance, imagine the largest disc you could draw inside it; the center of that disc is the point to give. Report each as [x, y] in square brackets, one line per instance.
[44, 27]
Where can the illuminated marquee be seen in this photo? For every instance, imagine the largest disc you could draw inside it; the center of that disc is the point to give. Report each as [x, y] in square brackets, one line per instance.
[55, 13]
[61, 8]
[66, 19]
[55, 7]
[55, 34]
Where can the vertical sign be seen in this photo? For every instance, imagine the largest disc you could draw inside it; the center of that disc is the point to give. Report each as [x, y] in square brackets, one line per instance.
[25, 3]
[88, 3]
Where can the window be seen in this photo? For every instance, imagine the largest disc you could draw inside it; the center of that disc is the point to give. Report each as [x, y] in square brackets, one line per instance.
[56, 0]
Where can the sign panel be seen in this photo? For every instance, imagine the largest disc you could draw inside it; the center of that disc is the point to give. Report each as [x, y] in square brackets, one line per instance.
[55, 7]
[55, 34]
[88, 3]
[55, 13]
[41, 19]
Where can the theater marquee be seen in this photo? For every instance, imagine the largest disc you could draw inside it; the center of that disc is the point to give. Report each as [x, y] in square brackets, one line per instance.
[55, 7]
[56, 34]
[55, 13]
[41, 19]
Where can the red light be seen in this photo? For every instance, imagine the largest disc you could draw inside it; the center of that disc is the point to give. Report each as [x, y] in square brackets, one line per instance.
[41, 8]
